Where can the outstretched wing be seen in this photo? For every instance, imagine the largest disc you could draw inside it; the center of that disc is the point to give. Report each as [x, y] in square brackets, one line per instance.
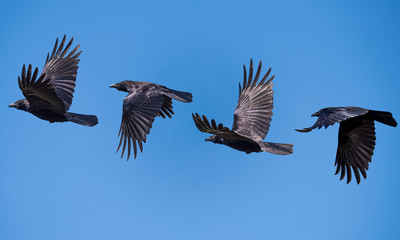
[253, 113]
[138, 113]
[61, 70]
[332, 115]
[356, 147]
[39, 93]
[204, 126]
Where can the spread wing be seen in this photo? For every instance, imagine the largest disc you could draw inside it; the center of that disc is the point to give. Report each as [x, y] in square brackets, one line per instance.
[138, 113]
[356, 147]
[332, 115]
[61, 70]
[39, 92]
[253, 113]
[204, 126]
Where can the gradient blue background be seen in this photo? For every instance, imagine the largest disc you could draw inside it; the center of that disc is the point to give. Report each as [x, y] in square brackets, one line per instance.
[65, 181]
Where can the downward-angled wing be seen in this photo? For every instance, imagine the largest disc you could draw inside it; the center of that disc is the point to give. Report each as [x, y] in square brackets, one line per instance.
[61, 70]
[204, 126]
[139, 110]
[332, 115]
[39, 93]
[356, 147]
[253, 113]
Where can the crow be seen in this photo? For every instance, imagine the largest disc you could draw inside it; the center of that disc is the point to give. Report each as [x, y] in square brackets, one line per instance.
[356, 136]
[49, 97]
[144, 102]
[252, 118]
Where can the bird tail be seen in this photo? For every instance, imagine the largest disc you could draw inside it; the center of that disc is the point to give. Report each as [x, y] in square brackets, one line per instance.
[87, 120]
[383, 117]
[277, 148]
[180, 96]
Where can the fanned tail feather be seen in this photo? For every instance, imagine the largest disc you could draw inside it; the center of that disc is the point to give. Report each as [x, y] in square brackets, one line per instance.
[86, 120]
[383, 117]
[180, 96]
[277, 148]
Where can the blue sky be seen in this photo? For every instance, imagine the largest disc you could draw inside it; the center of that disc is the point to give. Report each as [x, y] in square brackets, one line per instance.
[65, 181]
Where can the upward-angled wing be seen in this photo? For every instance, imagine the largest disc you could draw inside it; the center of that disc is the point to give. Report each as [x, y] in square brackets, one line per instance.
[204, 126]
[138, 113]
[61, 70]
[39, 92]
[332, 115]
[253, 113]
[356, 146]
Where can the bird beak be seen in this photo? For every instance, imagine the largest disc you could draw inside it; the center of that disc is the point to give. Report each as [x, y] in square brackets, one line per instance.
[304, 130]
[208, 139]
[314, 115]
[113, 86]
[12, 105]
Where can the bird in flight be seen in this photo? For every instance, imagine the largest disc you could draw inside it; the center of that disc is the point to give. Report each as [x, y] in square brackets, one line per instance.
[252, 118]
[356, 136]
[49, 97]
[144, 102]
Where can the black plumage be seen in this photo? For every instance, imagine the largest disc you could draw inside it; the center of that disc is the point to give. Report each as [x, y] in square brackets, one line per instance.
[252, 118]
[356, 141]
[144, 102]
[49, 97]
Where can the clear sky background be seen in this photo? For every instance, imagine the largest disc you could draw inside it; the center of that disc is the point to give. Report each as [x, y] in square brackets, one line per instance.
[65, 181]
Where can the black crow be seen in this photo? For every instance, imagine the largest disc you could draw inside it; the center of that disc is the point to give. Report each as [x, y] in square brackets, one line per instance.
[356, 136]
[50, 96]
[144, 102]
[251, 121]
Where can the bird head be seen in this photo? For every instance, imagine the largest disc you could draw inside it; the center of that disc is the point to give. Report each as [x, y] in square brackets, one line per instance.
[214, 139]
[121, 86]
[22, 104]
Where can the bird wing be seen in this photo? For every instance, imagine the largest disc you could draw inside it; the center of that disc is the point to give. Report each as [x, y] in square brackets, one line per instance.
[253, 113]
[39, 93]
[356, 146]
[204, 126]
[332, 115]
[138, 113]
[61, 70]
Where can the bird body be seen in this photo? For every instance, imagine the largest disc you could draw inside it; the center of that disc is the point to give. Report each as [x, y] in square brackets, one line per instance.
[356, 138]
[49, 97]
[87, 120]
[43, 114]
[252, 118]
[144, 102]
[237, 142]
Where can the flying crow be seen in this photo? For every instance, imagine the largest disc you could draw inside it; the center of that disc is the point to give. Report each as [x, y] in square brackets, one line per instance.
[252, 118]
[144, 102]
[49, 97]
[356, 136]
